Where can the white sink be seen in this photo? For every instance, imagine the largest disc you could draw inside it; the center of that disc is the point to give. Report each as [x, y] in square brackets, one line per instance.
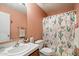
[1, 50]
[17, 50]
[21, 50]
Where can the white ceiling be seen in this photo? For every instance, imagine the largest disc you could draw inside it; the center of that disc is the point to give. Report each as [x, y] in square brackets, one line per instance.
[47, 7]
[51, 7]
[17, 6]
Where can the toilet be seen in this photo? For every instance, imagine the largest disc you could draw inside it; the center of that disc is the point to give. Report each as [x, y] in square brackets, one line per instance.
[44, 51]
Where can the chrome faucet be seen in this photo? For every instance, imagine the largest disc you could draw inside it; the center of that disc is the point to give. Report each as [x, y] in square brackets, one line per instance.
[17, 44]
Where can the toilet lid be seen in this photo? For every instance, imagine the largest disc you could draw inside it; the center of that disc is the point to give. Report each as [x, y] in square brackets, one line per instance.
[46, 51]
[39, 41]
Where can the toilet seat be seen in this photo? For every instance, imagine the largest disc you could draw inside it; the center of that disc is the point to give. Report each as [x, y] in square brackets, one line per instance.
[46, 51]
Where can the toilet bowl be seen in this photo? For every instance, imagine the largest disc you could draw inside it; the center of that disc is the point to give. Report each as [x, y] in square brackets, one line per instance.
[44, 51]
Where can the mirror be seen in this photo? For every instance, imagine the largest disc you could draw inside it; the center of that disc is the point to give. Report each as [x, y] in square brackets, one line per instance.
[12, 17]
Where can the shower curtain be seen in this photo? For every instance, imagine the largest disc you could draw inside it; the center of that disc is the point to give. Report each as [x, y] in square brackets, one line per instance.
[59, 32]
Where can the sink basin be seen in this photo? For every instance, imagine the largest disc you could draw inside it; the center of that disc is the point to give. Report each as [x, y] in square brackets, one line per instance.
[1, 50]
[21, 50]
[18, 50]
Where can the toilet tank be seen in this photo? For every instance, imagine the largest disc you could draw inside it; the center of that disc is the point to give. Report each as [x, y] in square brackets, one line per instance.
[40, 42]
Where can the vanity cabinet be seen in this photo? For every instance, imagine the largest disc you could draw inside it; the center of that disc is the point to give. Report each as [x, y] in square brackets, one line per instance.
[35, 53]
[77, 51]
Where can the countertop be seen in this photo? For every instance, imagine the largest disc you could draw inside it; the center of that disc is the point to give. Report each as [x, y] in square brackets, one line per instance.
[26, 52]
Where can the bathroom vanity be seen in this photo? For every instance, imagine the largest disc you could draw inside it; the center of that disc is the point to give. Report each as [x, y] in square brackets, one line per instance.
[35, 53]
[28, 49]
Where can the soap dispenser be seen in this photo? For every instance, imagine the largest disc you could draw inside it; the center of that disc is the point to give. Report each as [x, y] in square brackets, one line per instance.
[32, 39]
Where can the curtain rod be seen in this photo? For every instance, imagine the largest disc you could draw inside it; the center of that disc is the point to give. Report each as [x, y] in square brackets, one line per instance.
[63, 12]
[72, 10]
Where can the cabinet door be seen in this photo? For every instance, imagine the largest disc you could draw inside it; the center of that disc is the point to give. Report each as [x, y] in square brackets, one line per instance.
[4, 26]
[35, 53]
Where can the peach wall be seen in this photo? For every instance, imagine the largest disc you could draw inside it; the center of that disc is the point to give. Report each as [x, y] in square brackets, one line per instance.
[18, 20]
[77, 14]
[61, 9]
[34, 21]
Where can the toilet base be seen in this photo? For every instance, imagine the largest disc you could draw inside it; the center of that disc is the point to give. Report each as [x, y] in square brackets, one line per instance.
[41, 54]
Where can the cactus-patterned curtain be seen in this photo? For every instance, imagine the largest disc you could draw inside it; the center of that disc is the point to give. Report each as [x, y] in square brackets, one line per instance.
[59, 31]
